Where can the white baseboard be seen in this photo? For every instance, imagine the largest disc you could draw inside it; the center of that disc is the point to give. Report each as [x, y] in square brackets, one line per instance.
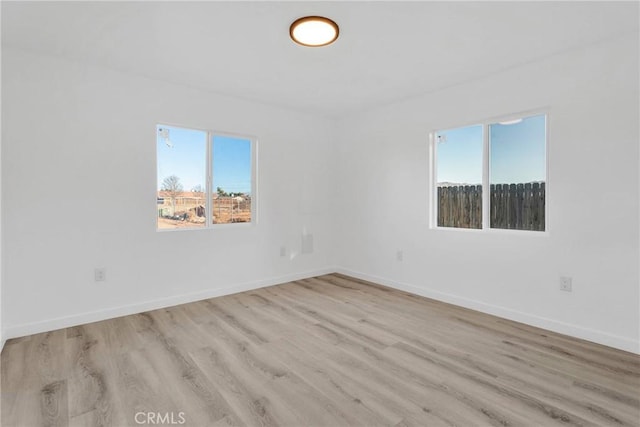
[592, 335]
[15, 331]
[596, 336]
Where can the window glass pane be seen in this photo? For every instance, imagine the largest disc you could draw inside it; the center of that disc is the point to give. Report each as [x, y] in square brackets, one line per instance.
[232, 192]
[459, 177]
[517, 173]
[181, 183]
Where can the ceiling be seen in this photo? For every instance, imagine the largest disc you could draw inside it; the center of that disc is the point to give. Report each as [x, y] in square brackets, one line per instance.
[387, 51]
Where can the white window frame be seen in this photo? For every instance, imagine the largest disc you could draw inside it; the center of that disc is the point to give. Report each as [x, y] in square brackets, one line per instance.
[209, 225]
[486, 167]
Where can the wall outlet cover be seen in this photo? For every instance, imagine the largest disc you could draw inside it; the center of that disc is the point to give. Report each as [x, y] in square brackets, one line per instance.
[100, 274]
[565, 284]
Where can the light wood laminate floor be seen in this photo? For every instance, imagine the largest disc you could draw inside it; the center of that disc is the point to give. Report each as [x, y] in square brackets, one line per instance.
[328, 351]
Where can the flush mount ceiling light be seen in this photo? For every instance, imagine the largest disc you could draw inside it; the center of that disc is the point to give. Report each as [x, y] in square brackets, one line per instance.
[314, 31]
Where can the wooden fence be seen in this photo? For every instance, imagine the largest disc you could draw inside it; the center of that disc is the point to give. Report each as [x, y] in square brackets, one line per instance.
[512, 206]
[460, 206]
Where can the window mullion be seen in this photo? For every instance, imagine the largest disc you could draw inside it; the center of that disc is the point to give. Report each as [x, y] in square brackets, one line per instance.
[209, 204]
[434, 179]
[486, 190]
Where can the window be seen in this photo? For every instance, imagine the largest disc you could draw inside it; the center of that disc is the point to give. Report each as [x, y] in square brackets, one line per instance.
[508, 158]
[203, 178]
[231, 160]
[459, 177]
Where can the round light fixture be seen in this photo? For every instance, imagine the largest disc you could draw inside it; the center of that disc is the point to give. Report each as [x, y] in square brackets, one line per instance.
[314, 31]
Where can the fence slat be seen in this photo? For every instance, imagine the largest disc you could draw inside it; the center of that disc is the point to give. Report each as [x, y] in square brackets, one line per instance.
[518, 206]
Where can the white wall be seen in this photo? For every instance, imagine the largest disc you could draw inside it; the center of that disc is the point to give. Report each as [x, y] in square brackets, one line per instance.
[2, 336]
[79, 172]
[79, 142]
[592, 96]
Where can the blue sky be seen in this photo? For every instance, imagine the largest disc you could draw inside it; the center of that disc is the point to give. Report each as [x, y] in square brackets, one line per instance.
[232, 164]
[517, 153]
[185, 156]
[460, 156]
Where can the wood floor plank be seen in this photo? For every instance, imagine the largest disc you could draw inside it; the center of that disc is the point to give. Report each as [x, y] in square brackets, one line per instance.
[378, 393]
[268, 369]
[248, 398]
[91, 385]
[141, 387]
[194, 393]
[324, 351]
[54, 404]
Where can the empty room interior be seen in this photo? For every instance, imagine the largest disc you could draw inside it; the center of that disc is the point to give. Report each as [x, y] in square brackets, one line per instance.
[320, 213]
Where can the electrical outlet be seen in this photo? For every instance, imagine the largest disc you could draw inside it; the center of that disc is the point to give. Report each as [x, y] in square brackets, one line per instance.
[283, 251]
[399, 255]
[565, 284]
[100, 274]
